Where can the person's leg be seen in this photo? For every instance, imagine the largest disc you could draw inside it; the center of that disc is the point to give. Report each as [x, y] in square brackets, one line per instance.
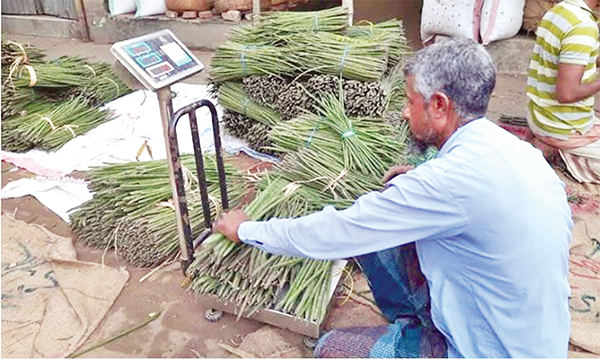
[401, 292]
[584, 163]
[550, 153]
[395, 278]
[580, 152]
[405, 339]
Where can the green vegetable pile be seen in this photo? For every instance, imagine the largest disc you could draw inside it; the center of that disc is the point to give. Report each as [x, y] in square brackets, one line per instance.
[47, 103]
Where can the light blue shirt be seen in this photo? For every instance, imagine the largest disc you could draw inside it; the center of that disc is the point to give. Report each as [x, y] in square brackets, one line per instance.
[492, 228]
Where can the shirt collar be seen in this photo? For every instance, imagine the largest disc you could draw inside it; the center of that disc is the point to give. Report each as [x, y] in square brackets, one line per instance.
[449, 143]
[582, 4]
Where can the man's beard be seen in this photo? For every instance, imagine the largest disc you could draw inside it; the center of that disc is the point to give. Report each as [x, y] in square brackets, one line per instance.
[417, 147]
[419, 151]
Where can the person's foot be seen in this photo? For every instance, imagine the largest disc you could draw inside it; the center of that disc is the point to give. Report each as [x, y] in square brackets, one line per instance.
[550, 153]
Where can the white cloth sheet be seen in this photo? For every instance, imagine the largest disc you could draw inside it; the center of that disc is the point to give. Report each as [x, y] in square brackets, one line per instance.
[59, 195]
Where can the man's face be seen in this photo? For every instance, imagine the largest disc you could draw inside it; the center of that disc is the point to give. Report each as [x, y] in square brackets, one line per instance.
[416, 111]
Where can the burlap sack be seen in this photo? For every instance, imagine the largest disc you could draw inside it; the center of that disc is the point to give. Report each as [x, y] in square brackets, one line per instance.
[51, 302]
[585, 282]
[534, 11]
[579, 354]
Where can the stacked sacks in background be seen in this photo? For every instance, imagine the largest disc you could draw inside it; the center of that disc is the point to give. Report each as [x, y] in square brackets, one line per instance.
[204, 8]
[484, 21]
[534, 11]
[222, 6]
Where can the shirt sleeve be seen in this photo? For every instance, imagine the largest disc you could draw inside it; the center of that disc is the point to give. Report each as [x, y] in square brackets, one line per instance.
[409, 209]
[578, 44]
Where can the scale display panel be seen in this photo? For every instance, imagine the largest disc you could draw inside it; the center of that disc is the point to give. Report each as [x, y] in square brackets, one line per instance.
[157, 60]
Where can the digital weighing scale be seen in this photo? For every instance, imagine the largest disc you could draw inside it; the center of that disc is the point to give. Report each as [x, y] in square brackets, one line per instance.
[157, 61]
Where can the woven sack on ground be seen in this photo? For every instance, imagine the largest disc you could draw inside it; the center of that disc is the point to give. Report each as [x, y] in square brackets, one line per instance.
[584, 267]
[534, 11]
[189, 5]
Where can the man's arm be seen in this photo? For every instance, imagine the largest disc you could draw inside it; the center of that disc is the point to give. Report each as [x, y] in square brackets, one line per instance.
[407, 211]
[569, 88]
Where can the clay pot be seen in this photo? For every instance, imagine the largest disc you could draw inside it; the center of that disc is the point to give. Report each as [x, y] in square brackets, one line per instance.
[189, 5]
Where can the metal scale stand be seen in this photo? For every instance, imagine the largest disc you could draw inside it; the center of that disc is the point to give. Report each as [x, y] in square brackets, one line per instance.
[156, 61]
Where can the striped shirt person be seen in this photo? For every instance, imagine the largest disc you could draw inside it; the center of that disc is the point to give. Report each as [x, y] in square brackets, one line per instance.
[568, 33]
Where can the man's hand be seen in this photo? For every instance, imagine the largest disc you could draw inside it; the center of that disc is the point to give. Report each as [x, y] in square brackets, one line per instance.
[229, 224]
[396, 170]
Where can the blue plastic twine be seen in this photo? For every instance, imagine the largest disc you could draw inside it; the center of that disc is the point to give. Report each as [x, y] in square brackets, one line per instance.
[343, 58]
[245, 106]
[348, 134]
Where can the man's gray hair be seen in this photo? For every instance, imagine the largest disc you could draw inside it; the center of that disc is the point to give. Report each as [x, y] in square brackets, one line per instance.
[459, 68]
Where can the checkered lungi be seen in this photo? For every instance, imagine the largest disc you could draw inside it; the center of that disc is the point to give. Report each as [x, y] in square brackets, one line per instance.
[402, 294]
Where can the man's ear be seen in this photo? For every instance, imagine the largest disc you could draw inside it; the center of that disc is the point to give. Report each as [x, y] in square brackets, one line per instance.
[440, 104]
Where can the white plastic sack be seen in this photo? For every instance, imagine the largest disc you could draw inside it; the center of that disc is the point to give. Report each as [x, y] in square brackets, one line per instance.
[150, 7]
[501, 19]
[117, 7]
[450, 18]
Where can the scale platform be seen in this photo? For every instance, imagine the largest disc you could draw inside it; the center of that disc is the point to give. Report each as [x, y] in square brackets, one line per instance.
[278, 318]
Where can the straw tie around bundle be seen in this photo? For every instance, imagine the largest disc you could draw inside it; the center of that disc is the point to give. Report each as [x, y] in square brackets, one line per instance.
[47, 103]
[18, 61]
[54, 128]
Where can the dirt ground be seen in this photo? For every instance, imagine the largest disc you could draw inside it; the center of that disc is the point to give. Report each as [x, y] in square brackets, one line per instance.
[182, 330]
